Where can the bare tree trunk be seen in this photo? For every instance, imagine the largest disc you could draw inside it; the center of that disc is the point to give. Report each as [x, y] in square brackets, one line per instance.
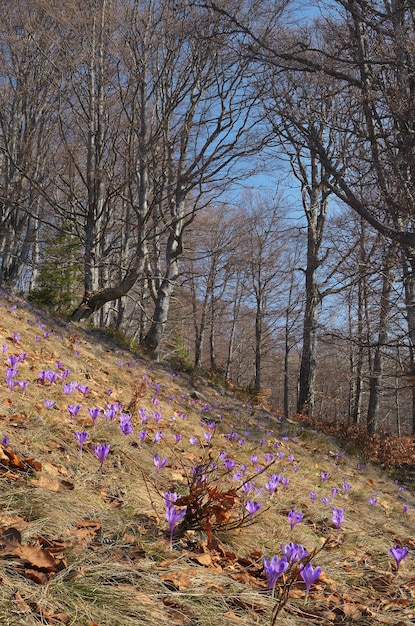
[173, 250]
[234, 319]
[258, 343]
[315, 209]
[375, 379]
[409, 285]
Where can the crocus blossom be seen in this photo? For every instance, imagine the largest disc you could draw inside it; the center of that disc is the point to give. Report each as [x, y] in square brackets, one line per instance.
[293, 551]
[159, 463]
[309, 574]
[252, 507]
[229, 464]
[94, 412]
[273, 569]
[101, 451]
[337, 517]
[294, 518]
[173, 514]
[125, 423]
[398, 553]
[73, 409]
[81, 437]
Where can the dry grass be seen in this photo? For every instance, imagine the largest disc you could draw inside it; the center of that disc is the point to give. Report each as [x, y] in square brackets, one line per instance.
[119, 570]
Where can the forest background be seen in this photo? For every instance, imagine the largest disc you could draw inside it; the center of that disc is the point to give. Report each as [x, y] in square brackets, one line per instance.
[228, 184]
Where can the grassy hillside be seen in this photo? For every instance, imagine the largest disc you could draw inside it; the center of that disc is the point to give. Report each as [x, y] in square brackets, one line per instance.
[87, 543]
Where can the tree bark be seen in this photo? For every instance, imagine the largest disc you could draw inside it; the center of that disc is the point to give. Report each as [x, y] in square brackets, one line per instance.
[375, 377]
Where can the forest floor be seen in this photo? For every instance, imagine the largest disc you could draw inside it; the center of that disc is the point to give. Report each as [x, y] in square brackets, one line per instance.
[87, 543]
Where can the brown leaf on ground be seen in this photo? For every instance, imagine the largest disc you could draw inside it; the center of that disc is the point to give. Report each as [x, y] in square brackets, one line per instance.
[50, 484]
[16, 521]
[203, 559]
[13, 461]
[234, 618]
[21, 602]
[37, 562]
[180, 580]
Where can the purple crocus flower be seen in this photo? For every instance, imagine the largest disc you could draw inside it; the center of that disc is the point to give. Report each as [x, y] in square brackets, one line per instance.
[10, 374]
[16, 337]
[49, 404]
[309, 574]
[81, 437]
[247, 487]
[69, 388]
[5, 441]
[94, 413]
[324, 475]
[398, 553]
[372, 501]
[51, 376]
[73, 409]
[159, 463]
[273, 570]
[272, 484]
[173, 514]
[125, 424]
[193, 440]
[252, 507]
[13, 360]
[313, 496]
[295, 517]
[293, 551]
[101, 451]
[83, 389]
[143, 415]
[109, 414]
[337, 517]
[142, 434]
[229, 464]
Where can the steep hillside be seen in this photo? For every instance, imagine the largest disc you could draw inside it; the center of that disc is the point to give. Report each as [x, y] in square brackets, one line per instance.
[92, 439]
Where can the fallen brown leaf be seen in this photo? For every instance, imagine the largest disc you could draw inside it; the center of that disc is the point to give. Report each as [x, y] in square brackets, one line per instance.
[180, 580]
[203, 559]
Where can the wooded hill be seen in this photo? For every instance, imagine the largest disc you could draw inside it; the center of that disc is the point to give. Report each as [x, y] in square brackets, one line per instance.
[231, 182]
